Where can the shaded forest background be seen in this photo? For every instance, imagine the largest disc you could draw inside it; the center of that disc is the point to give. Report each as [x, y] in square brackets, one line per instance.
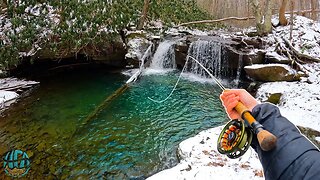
[242, 8]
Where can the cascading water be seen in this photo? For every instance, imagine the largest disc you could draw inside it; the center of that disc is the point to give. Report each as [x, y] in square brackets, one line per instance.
[208, 53]
[164, 56]
[240, 64]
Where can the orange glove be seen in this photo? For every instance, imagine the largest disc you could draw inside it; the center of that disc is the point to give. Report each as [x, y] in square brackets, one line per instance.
[231, 97]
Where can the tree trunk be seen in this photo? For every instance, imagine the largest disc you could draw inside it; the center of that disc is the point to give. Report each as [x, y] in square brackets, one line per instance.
[314, 7]
[263, 22]
[303, 7]
[268, 16]
[144, 14]
[282, 18]
[291, 18]
[257, 13]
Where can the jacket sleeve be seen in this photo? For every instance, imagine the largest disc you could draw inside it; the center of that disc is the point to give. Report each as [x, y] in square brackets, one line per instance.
[290, 144]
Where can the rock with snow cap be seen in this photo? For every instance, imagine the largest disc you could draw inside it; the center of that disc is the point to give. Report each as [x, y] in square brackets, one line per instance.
[274, 57]
[271, 72]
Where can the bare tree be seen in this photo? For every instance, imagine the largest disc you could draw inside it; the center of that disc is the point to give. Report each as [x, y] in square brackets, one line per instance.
[314, 7]
[263, 16]
[144, 14]
[282, 18]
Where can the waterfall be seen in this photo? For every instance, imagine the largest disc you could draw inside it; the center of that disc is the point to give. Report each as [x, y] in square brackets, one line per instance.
[208, 53]
[240, 64]
[164, 57]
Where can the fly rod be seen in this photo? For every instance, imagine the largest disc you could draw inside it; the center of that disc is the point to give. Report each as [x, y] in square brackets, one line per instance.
[267, 140]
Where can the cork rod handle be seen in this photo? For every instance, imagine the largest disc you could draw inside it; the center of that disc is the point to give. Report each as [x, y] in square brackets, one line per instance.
[267, 140]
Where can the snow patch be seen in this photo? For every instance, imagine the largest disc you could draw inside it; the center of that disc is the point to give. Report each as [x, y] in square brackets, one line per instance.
[305, 36]
[300, 101]
[6, 96]
[201, 160]
[258, 66]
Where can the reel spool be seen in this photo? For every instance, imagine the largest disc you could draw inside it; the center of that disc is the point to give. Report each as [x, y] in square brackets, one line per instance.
[235, 139]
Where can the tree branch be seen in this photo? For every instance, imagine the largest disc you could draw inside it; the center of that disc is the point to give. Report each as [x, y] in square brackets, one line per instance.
[217, 20]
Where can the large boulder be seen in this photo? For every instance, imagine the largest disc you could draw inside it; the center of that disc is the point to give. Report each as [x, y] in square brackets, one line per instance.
[271, 72]
[137, 45]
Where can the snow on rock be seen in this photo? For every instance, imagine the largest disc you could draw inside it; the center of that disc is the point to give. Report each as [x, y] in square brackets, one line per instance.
[137, 45]
[6, 98]
[300, 101]
[305, 36]
[201, 160]
[9, 88]
[271, 72]
[15, 84]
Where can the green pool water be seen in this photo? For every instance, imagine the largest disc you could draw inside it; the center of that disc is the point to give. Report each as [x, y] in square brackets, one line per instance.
[132, 138]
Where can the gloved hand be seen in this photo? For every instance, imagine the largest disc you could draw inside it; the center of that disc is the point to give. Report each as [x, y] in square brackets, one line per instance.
[231, 97]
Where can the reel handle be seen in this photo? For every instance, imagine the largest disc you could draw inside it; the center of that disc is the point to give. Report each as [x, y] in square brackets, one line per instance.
[267, 140]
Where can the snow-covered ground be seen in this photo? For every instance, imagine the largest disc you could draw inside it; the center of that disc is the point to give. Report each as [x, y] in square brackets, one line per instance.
[300, 103]
[305, 36]
[201, 160]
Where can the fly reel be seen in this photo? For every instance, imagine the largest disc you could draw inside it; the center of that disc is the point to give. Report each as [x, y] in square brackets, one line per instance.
[235, 139]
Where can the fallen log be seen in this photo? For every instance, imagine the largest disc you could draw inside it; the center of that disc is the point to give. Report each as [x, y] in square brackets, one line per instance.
[105, 103]
[217, 20]
[298, 54]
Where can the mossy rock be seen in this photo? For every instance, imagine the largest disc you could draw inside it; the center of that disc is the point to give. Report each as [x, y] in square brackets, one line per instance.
[274, 98]
[311, 134]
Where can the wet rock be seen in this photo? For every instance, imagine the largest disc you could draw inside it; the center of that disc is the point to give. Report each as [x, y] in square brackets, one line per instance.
[271, 72]
[104, 51]
[274, 57]
[110, 53]
[181, 52]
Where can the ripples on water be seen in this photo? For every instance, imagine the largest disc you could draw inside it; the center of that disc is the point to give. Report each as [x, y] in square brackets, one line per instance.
[132, 137]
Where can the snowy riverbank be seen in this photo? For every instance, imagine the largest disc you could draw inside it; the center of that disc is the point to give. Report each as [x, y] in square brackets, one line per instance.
[10, 88]
[201, 160]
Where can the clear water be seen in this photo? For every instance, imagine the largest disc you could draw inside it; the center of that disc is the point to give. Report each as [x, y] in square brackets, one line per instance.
[132, 137]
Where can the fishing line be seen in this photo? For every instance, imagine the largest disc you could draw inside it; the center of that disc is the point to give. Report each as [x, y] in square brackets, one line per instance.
[184, 67]
[175, 86]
